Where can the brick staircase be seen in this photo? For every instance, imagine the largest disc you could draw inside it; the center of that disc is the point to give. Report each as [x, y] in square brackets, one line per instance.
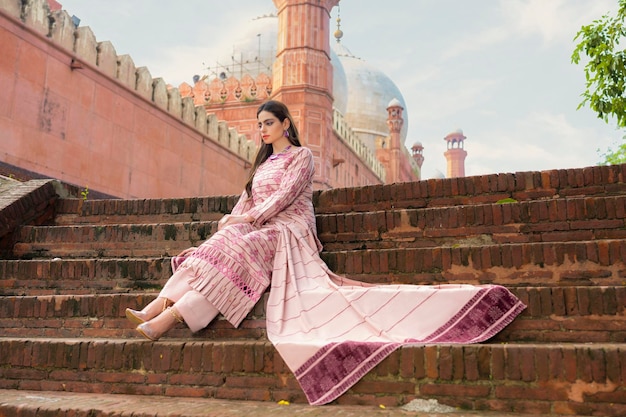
[557, 239]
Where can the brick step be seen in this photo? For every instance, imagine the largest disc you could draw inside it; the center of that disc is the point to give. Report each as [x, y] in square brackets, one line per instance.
[65, 404]
[599, 262]
[119, 240]
[520, 186]
[531, 264]
[554, 314]
[484, 189]
[562, 220]
[141, 211]
[579, 379]
[103, 316]
[559, 220]
[82, 276]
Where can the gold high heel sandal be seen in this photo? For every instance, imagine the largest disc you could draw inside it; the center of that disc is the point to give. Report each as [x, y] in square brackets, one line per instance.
[138, 316]
[145, 330]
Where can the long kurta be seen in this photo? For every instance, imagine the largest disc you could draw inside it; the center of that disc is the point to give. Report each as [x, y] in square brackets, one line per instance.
[233, 268]
[329, 330]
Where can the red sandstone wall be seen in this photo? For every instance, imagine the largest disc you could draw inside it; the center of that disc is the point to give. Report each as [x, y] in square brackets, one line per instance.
[342, 167]
[106, 125]
[346, 168]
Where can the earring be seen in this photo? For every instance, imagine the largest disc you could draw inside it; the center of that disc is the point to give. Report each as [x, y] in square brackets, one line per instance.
[286, 134]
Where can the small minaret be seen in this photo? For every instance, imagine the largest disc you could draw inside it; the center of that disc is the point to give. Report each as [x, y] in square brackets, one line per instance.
[395, 123]
[417, 151]
[455, 155]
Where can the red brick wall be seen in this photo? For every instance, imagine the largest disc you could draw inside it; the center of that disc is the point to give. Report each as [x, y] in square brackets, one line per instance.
[86, 127]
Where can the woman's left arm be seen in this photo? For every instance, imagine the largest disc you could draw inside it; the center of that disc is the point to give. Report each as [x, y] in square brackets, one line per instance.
[295, 180]
[243, 204]
[237, 215]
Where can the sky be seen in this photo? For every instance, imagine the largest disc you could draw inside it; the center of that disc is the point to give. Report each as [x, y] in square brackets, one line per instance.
[500, 70]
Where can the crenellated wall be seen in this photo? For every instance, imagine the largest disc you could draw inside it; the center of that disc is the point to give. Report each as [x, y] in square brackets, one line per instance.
[74, 110]
[236, 100]
[230, 90]
[347, 135]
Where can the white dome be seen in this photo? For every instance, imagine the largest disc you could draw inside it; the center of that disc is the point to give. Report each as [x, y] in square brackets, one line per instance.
[361, 92]
[340, 84]
[255, 52]
[370, 92]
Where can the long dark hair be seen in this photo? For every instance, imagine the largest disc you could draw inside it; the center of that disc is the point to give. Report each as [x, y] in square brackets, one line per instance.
[281, 112]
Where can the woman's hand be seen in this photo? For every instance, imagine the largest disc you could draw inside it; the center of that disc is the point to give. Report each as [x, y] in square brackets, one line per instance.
[187, 251]
[229, 219]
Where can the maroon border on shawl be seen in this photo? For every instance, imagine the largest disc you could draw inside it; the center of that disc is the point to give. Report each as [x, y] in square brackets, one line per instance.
[336, 367]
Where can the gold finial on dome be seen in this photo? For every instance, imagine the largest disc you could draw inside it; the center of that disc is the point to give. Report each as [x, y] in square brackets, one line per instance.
[338, 33]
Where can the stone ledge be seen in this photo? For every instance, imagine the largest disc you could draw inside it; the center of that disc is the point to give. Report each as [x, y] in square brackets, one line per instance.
[39, 403]
[30, 202]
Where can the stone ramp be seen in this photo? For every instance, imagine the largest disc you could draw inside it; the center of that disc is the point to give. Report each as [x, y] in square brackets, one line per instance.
[15, 403]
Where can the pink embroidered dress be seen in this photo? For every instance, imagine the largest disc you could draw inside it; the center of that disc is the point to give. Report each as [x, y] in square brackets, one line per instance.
[233, 268]
[329, 330]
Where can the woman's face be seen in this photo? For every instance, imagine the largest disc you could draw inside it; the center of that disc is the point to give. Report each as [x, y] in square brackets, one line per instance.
[272, 130]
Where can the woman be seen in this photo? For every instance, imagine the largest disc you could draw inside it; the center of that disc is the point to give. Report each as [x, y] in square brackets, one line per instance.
[229, 272]
[329, 330]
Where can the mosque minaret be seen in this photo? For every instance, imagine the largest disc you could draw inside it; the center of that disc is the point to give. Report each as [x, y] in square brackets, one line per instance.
[455, 155]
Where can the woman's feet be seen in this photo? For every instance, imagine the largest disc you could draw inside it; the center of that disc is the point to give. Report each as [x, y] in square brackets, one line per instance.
[158, 326]
[157, 306]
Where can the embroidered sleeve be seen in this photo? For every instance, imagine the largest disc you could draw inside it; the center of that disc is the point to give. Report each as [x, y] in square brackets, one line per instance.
[298, 175]
[244, 204]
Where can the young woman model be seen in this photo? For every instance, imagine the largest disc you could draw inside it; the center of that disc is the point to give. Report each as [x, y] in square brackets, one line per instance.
[328, 329]
[229, 272]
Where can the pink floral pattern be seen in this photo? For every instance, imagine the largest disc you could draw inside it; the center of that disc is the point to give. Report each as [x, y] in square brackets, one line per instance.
[233, 268]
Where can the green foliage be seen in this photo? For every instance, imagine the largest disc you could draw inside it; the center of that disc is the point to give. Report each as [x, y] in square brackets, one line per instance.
[85, 193]
[605, 72]
[507, 200]
[614, 157]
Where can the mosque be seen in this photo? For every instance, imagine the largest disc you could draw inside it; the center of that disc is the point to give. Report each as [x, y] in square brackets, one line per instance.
[351, 115]
[366, 109]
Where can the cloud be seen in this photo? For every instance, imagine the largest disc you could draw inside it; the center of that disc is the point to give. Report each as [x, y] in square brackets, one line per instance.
[179, 64]
[476, 42]
[538, 141]
[446, 101]
[553, 21]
